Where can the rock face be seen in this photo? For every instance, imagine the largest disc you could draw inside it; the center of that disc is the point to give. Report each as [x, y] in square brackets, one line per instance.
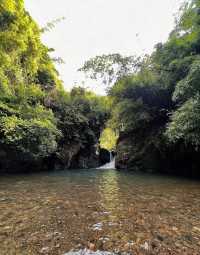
[74, 157]
[86, 158]
[137, 153]
[68, 157]
[65, 155]
[12, 161]
[152, 153]
[104, 156]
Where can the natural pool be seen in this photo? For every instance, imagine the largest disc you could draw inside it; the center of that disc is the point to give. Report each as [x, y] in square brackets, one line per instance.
[105, 210]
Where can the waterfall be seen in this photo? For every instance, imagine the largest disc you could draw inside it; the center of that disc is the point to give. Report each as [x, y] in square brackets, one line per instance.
[111, 156]
[111, 164]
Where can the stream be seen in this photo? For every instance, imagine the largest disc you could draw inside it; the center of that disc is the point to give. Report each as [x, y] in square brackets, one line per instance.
[100, 211]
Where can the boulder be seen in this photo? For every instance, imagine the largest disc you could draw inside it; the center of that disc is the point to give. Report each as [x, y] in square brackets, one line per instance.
[104, 156]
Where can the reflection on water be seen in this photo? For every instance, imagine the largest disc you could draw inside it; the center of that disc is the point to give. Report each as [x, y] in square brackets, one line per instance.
[109, 190]
[107, 210]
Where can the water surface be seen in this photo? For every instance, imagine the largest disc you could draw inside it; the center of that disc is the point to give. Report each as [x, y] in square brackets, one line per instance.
[106, 210]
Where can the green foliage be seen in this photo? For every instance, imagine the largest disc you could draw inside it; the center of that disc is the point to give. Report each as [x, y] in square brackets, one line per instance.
[155, 96]
[37, 117]
[7, 110]
[185, 123]
[82, 117]
[110, 68]
[26, 125]
[6, 19]
[158, 96]
[35, 138]
[46, 79]
[190, 85]
[139, 101]
[108, 139]
[50, 25]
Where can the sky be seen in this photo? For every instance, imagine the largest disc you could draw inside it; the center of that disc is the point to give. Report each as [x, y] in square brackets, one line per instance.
[95, 27]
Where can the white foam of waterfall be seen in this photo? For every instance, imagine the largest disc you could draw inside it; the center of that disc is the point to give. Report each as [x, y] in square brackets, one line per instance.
[110, 165]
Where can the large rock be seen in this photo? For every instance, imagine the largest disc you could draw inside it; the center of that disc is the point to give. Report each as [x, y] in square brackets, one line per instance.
[86, 158]
[136, 153]
[104, 156]
[151, 152]
[66, 154]
[12, 161]
[73, 156]
[69, 156]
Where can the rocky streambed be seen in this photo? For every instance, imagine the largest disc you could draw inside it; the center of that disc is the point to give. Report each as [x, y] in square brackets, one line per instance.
[98, 212]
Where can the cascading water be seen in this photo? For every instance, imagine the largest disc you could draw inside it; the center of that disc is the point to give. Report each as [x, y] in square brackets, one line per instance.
[111, 156]
[111, 164]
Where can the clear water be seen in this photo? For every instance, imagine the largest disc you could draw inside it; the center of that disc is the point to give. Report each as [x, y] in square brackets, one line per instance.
[101, 210]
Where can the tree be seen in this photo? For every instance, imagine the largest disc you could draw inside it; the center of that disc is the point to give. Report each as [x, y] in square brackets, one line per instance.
[110, 68]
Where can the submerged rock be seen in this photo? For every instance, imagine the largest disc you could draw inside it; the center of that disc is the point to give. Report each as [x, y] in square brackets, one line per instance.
[97, 226]
[89, 252]
[44, 250]
[145, 246]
